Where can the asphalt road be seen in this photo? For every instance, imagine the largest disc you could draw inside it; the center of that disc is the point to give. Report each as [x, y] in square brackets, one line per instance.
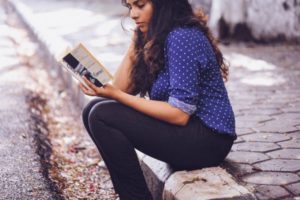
[22, 174]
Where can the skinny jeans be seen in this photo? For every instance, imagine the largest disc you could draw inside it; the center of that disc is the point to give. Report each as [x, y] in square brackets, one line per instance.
[117, 130]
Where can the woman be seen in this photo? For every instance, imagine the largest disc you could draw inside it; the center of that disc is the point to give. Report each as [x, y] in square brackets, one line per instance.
[188, 121]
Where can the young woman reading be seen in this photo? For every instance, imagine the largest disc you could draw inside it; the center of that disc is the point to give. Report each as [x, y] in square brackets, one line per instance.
[187, 121]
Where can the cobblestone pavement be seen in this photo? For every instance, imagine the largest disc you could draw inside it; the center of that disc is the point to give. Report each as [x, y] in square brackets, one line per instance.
[263, 87]
[265, 93]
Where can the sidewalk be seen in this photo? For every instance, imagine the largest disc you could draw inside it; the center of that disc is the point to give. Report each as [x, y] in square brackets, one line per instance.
[263, 87]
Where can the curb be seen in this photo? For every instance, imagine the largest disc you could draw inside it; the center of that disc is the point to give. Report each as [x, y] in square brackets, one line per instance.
[161, 179]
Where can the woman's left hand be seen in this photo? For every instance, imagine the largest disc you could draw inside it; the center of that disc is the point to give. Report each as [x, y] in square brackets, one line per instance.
[107, 91]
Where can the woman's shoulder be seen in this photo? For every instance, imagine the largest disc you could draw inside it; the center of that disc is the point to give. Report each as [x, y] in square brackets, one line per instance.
[185, 33]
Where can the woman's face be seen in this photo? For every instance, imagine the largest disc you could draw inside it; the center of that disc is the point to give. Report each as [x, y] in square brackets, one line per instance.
[141, 12]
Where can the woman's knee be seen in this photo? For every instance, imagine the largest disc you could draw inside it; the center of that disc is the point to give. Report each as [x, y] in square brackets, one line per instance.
[105, 111]
[86, 110]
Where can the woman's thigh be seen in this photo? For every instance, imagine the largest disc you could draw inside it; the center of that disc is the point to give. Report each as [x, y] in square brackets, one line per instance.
[190, 146]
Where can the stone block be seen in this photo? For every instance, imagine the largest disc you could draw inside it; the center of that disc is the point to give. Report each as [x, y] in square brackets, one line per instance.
[271, 178]
[156, 173]
[255, 147]
[295, 135]
[265, 137]
[202, 4]
[262, 20]
[295, 143]
[286, 154]
[276, 126]
[246, 157]
[279, 165]
[294, 188]
[266, 192]
[208, 183]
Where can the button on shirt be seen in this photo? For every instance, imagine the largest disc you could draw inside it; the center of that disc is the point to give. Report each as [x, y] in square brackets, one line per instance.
[192, 80]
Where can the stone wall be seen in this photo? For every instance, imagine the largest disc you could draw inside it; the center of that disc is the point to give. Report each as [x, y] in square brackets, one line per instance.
[262, 20]
[204, 4]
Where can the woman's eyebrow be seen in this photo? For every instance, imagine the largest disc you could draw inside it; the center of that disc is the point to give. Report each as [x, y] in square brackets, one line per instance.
[133, 3]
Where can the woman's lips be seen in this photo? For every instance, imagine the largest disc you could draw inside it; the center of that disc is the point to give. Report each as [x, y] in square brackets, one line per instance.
[139, 23]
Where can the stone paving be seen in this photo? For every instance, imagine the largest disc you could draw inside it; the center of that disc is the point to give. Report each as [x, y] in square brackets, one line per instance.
[265, 93]
[263, 87]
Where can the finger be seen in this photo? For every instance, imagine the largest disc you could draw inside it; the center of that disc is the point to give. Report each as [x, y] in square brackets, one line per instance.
[83, 86]
[90, 84]
[86, 90]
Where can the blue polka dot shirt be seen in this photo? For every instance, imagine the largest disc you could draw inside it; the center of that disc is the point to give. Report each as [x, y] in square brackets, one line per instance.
[192, 80]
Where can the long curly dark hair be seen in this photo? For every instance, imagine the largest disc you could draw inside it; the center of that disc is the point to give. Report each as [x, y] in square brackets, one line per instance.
[149, 47]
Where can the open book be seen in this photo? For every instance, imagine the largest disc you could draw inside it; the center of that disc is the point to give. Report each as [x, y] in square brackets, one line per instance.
[80, 62]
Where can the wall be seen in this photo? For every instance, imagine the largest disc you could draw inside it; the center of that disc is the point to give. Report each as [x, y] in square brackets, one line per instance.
[262, 20]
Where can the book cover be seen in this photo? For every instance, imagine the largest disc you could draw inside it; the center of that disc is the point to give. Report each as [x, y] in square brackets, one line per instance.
[81, 62]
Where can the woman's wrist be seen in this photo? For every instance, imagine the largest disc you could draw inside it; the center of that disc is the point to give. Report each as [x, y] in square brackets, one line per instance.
[118, 95]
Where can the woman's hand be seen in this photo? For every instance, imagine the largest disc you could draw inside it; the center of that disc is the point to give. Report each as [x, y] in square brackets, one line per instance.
[107, 91]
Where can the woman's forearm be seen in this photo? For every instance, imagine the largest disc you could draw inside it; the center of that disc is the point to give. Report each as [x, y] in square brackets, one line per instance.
[156, 109]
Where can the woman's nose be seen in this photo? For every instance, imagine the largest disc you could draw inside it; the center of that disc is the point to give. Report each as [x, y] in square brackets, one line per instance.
[134, 14]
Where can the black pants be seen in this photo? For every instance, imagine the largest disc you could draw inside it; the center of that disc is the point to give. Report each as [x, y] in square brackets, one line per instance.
[117, 129]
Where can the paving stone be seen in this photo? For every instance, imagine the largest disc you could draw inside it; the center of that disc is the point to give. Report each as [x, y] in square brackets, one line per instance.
[255, 146]
[295, 135]
[277, 126]
[286, 154]
[247, 124]
[295, 143]
[279, 165]
[264, 111]
[254, 118]
[294, 188]
[246, 157]
[156, 173]
[244, 131]
[289, 116]
[291, 109]
[266, 192]
[265, 137]
[271, 178]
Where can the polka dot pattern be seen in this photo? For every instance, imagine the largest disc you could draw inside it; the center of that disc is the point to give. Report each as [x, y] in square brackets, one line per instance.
[192, 81]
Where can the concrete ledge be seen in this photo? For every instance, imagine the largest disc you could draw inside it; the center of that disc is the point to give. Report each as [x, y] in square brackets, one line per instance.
[211, 183]
[156, 174]
[204, 184]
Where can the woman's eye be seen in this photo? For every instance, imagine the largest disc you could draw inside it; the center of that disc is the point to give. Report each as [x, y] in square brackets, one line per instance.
[140, 5]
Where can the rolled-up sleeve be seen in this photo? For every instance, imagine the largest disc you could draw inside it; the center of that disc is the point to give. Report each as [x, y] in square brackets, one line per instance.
[183, 52]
